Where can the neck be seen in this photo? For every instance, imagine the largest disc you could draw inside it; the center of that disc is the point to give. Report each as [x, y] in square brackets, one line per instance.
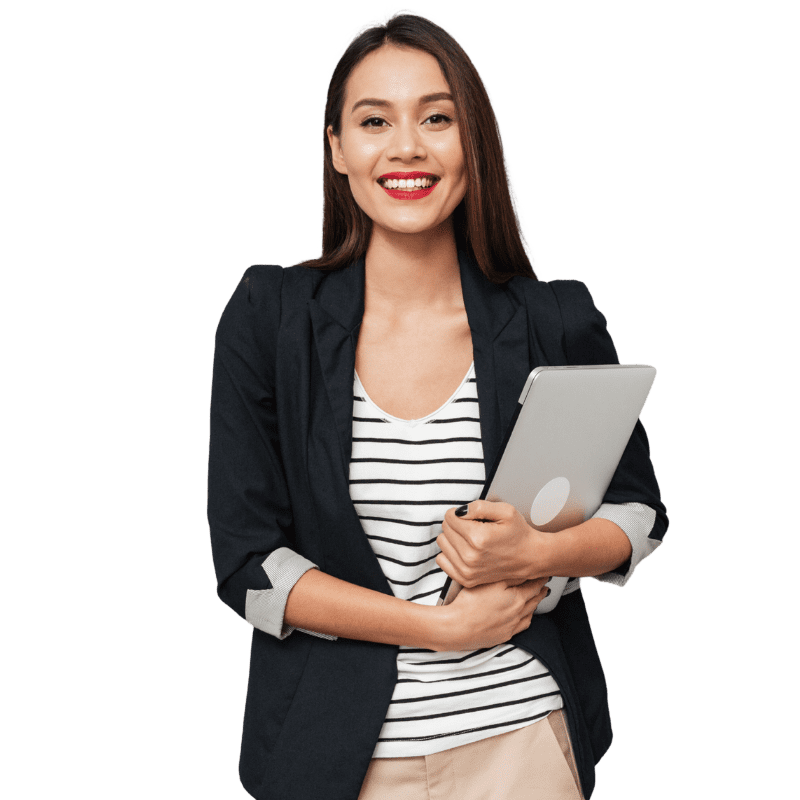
[405, 273]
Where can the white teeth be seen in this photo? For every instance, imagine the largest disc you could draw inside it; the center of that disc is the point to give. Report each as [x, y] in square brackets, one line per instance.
[407, 183]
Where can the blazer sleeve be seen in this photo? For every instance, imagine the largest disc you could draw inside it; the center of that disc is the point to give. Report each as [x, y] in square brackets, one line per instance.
[249, 512]
[633, 499]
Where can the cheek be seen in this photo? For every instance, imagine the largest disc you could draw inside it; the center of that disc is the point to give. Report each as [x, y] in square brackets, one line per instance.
[362, 191]
[361, 158]
[361, 195]
[450, 154]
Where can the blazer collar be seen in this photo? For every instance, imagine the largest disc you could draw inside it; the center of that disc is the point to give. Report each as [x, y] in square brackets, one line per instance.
[499, 340]
[341, 295]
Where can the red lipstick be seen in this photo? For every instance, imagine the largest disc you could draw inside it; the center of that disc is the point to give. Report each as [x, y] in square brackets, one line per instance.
[405, 194]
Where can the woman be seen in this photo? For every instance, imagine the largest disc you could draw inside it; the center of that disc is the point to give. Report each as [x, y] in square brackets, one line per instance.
[357, 403]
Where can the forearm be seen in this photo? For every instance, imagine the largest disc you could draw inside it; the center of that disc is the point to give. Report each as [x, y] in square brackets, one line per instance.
[323, 603]
[591, 548]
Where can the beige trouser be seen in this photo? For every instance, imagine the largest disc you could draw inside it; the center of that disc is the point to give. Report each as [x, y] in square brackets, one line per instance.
[531, 763]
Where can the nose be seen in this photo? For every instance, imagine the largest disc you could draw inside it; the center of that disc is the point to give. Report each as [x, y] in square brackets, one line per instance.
[406, 143]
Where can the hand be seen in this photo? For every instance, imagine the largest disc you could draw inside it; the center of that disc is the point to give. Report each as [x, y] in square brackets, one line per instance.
[504, 547]
[490, 614]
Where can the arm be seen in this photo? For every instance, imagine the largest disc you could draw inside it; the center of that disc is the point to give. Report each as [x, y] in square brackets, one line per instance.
[587, 341]
[248, 506]
[266, 608]
[633, 500]
[482, 617]
[637, 521]
[326, 604]
[594, 547]
[486, 541]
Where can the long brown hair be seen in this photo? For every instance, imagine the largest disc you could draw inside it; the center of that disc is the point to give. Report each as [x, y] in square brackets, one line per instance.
[484, 222]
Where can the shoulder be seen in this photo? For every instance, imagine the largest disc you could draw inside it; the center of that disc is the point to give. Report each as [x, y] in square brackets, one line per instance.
[585, 333]
[258, 291]
[569, 304]
[265, 293]
[265, 287]
[570, 293]
[578, 311]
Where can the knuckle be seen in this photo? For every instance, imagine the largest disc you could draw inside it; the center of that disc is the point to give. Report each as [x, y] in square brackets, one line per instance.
[468, 579]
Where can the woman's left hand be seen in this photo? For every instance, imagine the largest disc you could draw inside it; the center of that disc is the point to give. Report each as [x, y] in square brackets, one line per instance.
[504, 547]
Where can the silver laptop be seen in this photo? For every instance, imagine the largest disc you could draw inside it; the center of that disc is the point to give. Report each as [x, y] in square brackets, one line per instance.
[562, 448]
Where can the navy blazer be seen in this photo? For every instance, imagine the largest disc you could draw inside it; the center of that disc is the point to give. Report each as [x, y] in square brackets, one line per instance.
[281, 436]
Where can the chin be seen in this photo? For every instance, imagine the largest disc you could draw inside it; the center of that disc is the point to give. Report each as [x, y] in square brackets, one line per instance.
[410, 226]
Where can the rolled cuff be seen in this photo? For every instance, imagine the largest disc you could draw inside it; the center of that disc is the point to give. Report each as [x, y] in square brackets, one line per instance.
[637, 521]
[265, 608]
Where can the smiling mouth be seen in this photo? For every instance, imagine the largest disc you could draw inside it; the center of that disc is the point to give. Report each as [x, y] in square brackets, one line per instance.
[408, 185]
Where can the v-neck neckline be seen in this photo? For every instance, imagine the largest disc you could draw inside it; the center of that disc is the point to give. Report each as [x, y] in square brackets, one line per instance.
[412, 423]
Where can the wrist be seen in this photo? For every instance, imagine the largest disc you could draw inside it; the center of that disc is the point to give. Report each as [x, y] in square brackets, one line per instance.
[542, 554]
[441, 627]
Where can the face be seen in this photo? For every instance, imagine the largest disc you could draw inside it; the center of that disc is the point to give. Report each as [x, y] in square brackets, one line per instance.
[400, 145]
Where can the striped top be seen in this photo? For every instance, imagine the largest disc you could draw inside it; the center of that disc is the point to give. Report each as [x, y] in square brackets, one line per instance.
[404, 475]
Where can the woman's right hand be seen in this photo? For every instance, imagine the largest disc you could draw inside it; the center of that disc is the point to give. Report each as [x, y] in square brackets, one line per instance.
[490, 614]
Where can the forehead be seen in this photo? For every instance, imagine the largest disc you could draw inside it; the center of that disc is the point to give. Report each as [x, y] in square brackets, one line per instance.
[395, 74]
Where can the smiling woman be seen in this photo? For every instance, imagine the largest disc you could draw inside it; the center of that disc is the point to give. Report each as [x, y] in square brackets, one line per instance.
[359, 401]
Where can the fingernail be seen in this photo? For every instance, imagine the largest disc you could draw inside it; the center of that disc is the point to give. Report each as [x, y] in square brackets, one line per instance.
[461, 511]
[548, 592]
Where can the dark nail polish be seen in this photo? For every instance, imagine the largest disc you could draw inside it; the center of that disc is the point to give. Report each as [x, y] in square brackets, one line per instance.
[461, 511]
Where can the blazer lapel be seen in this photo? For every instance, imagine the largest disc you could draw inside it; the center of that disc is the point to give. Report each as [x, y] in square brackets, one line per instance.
[499, 326]
[336, 314]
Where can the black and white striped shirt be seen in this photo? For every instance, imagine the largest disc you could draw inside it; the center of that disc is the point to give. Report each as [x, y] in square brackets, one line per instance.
[404, 475]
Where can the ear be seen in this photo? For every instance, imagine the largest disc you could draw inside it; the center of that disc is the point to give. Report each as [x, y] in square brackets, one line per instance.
[336, 151]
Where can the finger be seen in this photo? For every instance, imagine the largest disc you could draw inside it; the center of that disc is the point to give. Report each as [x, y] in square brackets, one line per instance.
[531, 605]
[524, 624]
[443, 562]
[469, 536]
[455, 531]
[453, 558]
[451, 527]
[533, 587]
[541, 581]
[482, 509]
[461, 530]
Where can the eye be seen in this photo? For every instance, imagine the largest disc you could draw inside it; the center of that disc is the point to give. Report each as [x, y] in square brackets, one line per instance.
[372, 122]
[439, 119]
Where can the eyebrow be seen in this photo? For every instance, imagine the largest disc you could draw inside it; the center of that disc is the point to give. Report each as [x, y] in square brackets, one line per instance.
[426, 98]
